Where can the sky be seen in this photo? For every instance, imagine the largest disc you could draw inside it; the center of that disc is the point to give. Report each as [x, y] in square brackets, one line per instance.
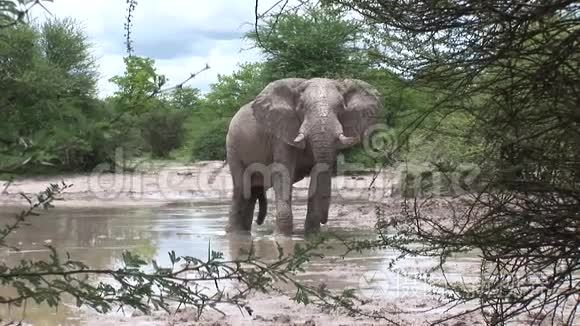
[180, 35]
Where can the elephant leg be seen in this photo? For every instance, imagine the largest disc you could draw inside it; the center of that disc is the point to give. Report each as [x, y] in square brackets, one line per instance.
[241, 212]
[282, 176]
[283, 191]
[242, 207]
[318, 199]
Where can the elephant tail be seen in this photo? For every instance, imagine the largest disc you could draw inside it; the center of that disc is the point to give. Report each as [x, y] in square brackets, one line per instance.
[260, 194]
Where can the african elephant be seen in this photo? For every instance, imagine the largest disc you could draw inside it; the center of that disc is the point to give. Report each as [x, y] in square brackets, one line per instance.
[293, 129]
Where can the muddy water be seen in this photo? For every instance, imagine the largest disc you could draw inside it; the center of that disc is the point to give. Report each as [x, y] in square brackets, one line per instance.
[98, 236]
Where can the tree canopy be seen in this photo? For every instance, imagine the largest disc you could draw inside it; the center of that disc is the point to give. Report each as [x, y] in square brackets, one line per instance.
[317, 42]
[48, 78]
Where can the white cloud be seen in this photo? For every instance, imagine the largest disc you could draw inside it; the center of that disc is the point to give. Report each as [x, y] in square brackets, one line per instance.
[181, 35]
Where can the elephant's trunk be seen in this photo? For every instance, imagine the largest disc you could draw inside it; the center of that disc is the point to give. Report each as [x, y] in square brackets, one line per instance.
[319, 193]
[323, 131]
[324, 152]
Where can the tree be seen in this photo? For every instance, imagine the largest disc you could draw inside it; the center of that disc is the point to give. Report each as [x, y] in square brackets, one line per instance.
[138, 85]
[184, 98]
[511, 69]
[230, 92]
[208, 124]
[319, 42]
[158, 114]
[48, 77]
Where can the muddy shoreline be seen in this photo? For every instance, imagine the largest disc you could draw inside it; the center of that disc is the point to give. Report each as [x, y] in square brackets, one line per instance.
[200, 182]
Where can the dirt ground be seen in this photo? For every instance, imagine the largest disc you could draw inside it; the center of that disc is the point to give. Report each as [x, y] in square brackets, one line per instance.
[278, 310]
[353, 208]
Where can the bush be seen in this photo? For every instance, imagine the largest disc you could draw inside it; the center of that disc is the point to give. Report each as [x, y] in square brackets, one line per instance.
[444, 142]
[210, 144]
[49, 116]
[358, 155]
[163, 130]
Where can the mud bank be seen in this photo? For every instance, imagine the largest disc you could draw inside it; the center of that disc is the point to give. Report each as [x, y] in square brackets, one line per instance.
[201, 182]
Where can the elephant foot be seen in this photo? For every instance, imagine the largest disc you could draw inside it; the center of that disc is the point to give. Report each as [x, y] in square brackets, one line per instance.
[238, 224]
[311, 227]
[284, 224]
[312, 223]
[284, 229]
[236, 228]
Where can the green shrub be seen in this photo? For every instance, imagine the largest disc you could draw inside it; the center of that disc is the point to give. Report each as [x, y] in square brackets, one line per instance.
[358, 155]
[210, 143]
[163, 130]
[448, 146]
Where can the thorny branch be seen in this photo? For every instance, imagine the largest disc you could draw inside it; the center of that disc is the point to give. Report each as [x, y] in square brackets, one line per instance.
[276, 16]
[13, 12]
[128, 27]
[180, 85]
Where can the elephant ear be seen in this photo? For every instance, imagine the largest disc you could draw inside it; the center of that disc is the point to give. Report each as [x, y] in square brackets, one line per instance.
[275, 109]
[363, 106]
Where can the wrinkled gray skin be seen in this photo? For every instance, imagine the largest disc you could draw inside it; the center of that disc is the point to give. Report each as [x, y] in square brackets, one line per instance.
[296, 127]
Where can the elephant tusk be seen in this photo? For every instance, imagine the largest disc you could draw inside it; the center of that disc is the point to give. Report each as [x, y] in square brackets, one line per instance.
[299, 138]
[347, 141]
